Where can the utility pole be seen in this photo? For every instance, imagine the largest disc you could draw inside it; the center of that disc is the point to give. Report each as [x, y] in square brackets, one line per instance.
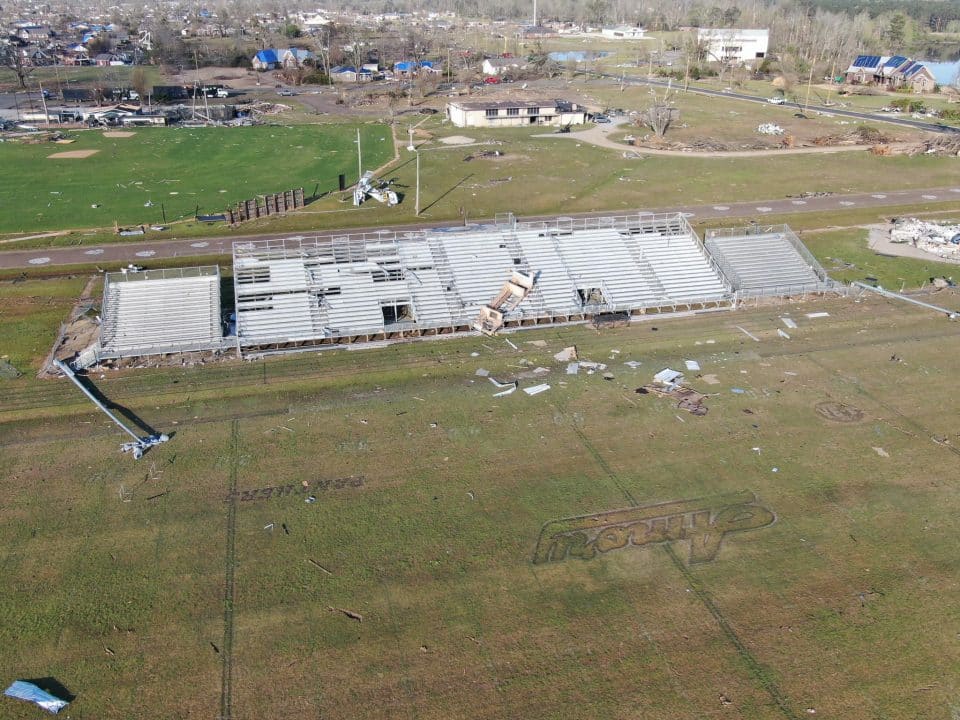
[359, 160]
[43, 102]
[806, 104]
[416, 206]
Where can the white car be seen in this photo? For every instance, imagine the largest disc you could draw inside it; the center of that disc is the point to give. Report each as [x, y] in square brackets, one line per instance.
[776, 101]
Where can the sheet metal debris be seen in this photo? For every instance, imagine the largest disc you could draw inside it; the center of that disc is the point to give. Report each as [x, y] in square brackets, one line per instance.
[573, 368]
[748, 333]
[24, 690]
[789, 322]
[568, 354]
[692, 365]
[782, 334]
[818, 315]
[536, 389]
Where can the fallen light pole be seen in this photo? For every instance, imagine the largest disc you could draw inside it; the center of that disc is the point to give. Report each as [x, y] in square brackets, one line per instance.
[951, 314]
[140, 444]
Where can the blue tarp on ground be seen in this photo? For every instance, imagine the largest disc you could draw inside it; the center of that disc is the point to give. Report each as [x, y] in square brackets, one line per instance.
[23, 690]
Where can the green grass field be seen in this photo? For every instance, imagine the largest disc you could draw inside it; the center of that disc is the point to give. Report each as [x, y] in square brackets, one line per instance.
[150, 588]
[176, 169]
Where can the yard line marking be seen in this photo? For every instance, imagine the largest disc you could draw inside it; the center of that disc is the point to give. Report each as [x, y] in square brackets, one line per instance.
[764, 209]
[847, 202]
[199, 244]
[878, 196]
[929, 197]
[956, 190]
[39, 260]
[229, 583]
[95, 251]
[146, 253]
[799, 202]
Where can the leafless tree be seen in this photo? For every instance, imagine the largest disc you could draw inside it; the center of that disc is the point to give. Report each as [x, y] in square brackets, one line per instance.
[13, 58]
[659, 114]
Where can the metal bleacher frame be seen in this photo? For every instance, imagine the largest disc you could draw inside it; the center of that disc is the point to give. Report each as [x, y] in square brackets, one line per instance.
[471, 252]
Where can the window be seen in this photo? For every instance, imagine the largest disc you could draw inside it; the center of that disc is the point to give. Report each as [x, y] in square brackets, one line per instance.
[492, 112]
[513, 112]
[396, 312]
[532, 111]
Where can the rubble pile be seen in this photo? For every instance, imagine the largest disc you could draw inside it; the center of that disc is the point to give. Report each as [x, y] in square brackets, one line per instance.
[862, 135]
[942, 145]
[942, 240]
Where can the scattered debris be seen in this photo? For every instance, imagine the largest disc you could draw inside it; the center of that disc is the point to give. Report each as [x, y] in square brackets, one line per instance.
[687, 398]
[940, 239]
[881, 452]
[789, 322]
[748, 334]
[815, 315]
[310, 499]
[782, 334]
[692, 365]
[482, 372]
[737, 391]
[769, 129]
[509, 391]
[633, 364]
[513, 292]
[349, 613]
[668, 377]
[507, 341]
[7, 370]
[497, 383]
[573, 368]
[24, 690]
[568, 354]
[315, 563]
[710, 379]
[536, 389]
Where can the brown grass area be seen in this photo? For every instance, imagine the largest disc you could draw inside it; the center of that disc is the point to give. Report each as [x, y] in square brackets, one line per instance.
[72, 155]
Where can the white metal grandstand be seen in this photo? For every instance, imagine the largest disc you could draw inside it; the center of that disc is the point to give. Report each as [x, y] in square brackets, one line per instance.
[364, 287]
[155, 312]
[767, 261]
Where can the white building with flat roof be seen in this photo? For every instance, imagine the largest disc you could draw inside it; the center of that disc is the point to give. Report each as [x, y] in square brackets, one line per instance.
[733, 45]
[514, 113]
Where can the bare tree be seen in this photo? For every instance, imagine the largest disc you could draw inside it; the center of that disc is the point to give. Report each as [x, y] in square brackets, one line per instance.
[659, 115]
[13, 59]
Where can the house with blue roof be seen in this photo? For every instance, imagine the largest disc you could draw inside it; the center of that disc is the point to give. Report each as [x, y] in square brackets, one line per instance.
[891, 72]
[265, 60]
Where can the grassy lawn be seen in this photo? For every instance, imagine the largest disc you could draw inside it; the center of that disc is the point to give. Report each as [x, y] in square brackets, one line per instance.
[175, 169]
[430, 499]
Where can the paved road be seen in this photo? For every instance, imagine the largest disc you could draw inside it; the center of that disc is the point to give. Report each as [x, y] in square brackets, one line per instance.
[150, 253]
[893, 119]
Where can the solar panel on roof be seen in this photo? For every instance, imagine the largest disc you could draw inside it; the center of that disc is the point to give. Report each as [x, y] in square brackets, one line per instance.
[895, 61]
[867, 61]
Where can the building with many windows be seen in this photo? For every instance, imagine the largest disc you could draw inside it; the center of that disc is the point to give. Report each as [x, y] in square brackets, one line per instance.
[514, 113]
[732, 45]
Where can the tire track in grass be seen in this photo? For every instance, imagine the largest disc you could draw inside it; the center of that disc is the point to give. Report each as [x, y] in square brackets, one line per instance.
[229, 583]
[757, 670]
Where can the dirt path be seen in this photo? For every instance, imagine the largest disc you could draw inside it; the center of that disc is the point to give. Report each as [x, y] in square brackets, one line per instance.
[599, 136]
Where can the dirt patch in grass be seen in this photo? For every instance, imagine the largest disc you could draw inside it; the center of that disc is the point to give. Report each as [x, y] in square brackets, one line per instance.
[457, 140]
[72, 155]
[118, 133]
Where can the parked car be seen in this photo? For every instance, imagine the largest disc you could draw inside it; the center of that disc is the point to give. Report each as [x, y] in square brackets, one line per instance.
[776, 100]
[286, 92]
[492, 80]
[601, 119]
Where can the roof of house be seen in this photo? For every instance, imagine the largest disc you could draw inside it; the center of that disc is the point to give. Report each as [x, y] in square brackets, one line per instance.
[267, 56]
[913, 68]
[298, 53]
[505, 62]
[867, 62]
